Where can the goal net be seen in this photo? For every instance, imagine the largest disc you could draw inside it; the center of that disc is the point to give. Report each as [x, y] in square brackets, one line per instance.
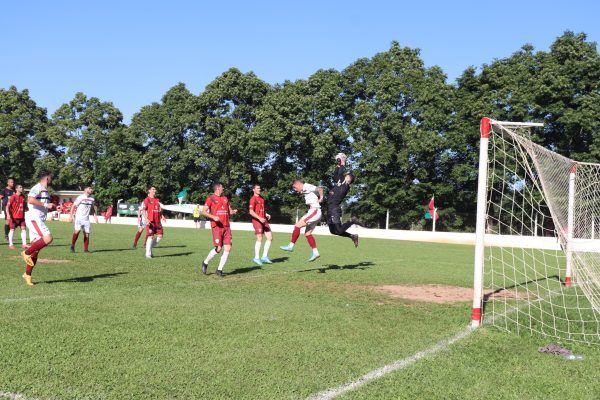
[537, 256]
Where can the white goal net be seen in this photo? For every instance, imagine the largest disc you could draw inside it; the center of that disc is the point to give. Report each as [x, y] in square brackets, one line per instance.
[537, 263]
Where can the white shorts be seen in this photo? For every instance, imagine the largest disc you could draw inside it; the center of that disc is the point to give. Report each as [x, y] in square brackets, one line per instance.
[311, 218]
[82, 224]
[37, 228]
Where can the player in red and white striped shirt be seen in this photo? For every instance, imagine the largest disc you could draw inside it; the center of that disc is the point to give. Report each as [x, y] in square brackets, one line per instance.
[313, 196]
[15, 210]
[39, 205]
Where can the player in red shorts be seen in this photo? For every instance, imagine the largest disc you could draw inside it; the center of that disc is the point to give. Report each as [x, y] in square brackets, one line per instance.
[218, 210]
[260, 222]
[15, 209]
[152, 210]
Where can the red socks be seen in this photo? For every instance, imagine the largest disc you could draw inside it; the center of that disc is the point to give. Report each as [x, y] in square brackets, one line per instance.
[86, 242]
[295, 234]
[137, 237]
[36, 246]
[74, 238]
[311, 241]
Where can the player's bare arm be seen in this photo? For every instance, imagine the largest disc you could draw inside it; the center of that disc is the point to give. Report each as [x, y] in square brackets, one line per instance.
[209, 215]
[35, 202]
[320, 191]
[255, 215]
[95, 213]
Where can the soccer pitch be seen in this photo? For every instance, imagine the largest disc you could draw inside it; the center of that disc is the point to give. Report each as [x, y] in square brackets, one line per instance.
[114, 325]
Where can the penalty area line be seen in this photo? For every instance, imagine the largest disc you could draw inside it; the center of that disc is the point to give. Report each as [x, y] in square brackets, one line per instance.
[395, 366]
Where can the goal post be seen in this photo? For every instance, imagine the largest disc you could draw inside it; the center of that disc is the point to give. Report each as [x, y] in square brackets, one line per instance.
[537, 259]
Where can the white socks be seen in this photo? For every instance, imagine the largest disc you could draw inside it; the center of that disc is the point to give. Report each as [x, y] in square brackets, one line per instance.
[149, 245]
[223, 260]
[210, 256]
[11, 234]
[315, 251]
[266, 249]
[157, 239]
[23, 237]
[257, 249]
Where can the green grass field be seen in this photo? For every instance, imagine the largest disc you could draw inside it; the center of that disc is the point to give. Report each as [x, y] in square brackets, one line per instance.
[113, 325]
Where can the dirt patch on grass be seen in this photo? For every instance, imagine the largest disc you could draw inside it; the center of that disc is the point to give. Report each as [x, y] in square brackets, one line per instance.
[428, 293]
[47, 260]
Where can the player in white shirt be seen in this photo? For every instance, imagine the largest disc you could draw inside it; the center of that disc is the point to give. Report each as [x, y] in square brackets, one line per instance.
[313, 196]
[82, 207]
[39, 234]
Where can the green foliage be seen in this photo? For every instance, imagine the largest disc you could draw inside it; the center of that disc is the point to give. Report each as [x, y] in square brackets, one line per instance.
[409, 133]
[22, 135]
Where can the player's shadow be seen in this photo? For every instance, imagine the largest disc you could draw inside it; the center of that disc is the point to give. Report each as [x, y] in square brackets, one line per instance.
[131, 248]
[186, 253]
[279, 259]
[243, 270]
[361, 265]
[83, 279]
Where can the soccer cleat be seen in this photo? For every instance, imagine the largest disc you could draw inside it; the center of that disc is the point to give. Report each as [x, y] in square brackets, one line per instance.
[28, 279]
[72, 249]
[11, 246]
[266, 260]
[287, 248]
[355, 240]
[28, 259]
[149, 256]
[220, 273]
[87, 251]
[204, 266]
[314, 257]
[257, 261]
[134, 247]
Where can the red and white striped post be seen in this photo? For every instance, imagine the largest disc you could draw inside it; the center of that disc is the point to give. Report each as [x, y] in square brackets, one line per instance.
[570, 219]
[476, 314]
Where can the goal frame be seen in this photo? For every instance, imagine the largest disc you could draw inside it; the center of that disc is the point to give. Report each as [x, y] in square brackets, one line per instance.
[485, 131]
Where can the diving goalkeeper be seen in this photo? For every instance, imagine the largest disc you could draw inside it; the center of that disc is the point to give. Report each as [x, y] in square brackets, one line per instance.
[341, 186]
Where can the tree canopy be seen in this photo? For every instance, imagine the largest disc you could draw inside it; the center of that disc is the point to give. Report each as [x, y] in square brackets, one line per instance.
[410, 133]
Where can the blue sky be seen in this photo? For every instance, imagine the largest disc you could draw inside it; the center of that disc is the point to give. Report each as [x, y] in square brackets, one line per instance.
[131, 52]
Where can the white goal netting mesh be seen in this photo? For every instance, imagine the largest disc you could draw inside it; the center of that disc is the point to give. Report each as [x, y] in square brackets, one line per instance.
[531, 235]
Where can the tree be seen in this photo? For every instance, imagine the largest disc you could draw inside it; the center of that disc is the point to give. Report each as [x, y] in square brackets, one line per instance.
[22, 135]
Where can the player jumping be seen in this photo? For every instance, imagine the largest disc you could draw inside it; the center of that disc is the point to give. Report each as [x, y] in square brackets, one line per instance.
[81, 208]
[341, 182]
[152, 210]
[39, 234]
[15, 209]
[313, 197]
[218, 210]
[260, 222]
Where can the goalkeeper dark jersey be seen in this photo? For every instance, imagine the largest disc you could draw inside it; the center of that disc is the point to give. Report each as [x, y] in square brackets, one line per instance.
[340, 187]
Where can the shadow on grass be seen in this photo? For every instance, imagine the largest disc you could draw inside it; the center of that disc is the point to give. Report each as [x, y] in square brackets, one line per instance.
[487, 296]
[280, 259]
[186, 253]
[82, 279]
[244, 270]
[134, 248]
[361, 265]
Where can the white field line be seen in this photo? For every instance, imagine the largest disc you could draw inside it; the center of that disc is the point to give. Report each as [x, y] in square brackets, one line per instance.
[395, 366]
[32, 298]
[15, 396]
